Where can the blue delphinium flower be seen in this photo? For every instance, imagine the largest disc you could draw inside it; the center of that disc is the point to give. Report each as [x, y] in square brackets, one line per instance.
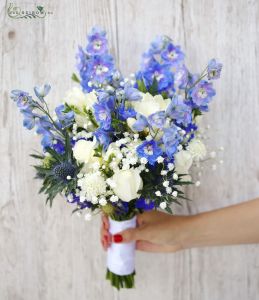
[96, 67]
[179, 111]
[59, 146]
[102, 115]
[66, 118]
[214, 69]
[82, 66]
[171, 139]
[157, 119]
[158, 44]
[103, 137]
[161, 73]
[22, 99]
[131, 93]
[201, 94]
[48, 140]
[181, 77]
[162, 61]
[140, 123]
[172, 54]
[97, 41]
[100, 68]
[43, 125]
[150, 150]
[72, 198]
[42, 91]
[125, 112]
[144, 204]
[29, 120]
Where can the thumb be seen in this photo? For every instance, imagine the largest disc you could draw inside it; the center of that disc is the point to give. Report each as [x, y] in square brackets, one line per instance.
[129, 235]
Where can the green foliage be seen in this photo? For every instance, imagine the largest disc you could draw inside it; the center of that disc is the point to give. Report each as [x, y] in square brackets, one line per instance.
[196, 112]
[52, 184]
[75, 78]
[118, 281]
[98, 151]
[141, 86]
[153, 89]
[91, 117]
[152, 182]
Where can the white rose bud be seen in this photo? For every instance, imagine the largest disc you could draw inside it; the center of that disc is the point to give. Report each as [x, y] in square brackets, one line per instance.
[128, 183]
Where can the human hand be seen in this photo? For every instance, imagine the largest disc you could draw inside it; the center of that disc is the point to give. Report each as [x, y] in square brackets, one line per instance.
[156, 232]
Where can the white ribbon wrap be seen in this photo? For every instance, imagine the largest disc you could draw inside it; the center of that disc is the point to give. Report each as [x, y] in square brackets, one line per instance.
[121, 257]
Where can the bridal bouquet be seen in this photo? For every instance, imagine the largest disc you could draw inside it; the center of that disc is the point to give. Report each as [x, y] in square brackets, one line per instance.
[121, 145]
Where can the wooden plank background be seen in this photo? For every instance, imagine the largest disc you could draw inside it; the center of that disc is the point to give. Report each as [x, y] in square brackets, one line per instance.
[45, 253]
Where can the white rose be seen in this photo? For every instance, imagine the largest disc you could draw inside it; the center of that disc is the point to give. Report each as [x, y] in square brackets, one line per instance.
[197, 149]
[183, 162]
[77, 98]
[128, 183]
[150, 104]
[84, 150]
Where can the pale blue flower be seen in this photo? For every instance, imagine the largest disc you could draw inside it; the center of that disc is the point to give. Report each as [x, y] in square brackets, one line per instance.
[171, 140]
[214, 69]
[172, 54]
[97, 41]
[157, 119]
[42, 91]
[140, 123]
[201, 94]
[103, 137]
[102, 115]
[179, 111]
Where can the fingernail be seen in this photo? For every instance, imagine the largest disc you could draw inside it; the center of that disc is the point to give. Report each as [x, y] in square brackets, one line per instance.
[117, 238]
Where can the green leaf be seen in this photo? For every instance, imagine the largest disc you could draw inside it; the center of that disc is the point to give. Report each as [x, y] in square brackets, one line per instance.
[141, 86]
[196, 112]
[68, 147]
[168, 209]
[37, 156]
[54, 154]
[154, 87]
[75, 78]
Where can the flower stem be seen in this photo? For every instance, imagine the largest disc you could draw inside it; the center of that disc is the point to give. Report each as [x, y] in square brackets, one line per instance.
[121, 281]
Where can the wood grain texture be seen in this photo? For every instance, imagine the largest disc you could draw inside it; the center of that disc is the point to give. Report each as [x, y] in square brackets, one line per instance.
[45, 253]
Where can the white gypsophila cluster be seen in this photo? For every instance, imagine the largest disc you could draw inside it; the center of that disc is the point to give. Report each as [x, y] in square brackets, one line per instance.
[200, 154]
[123, 153]
[93, 186]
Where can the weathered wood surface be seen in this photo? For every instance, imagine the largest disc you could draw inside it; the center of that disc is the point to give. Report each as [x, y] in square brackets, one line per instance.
[45, 253]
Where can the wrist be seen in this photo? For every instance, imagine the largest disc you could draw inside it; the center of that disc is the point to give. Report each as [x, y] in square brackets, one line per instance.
[189, 231]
